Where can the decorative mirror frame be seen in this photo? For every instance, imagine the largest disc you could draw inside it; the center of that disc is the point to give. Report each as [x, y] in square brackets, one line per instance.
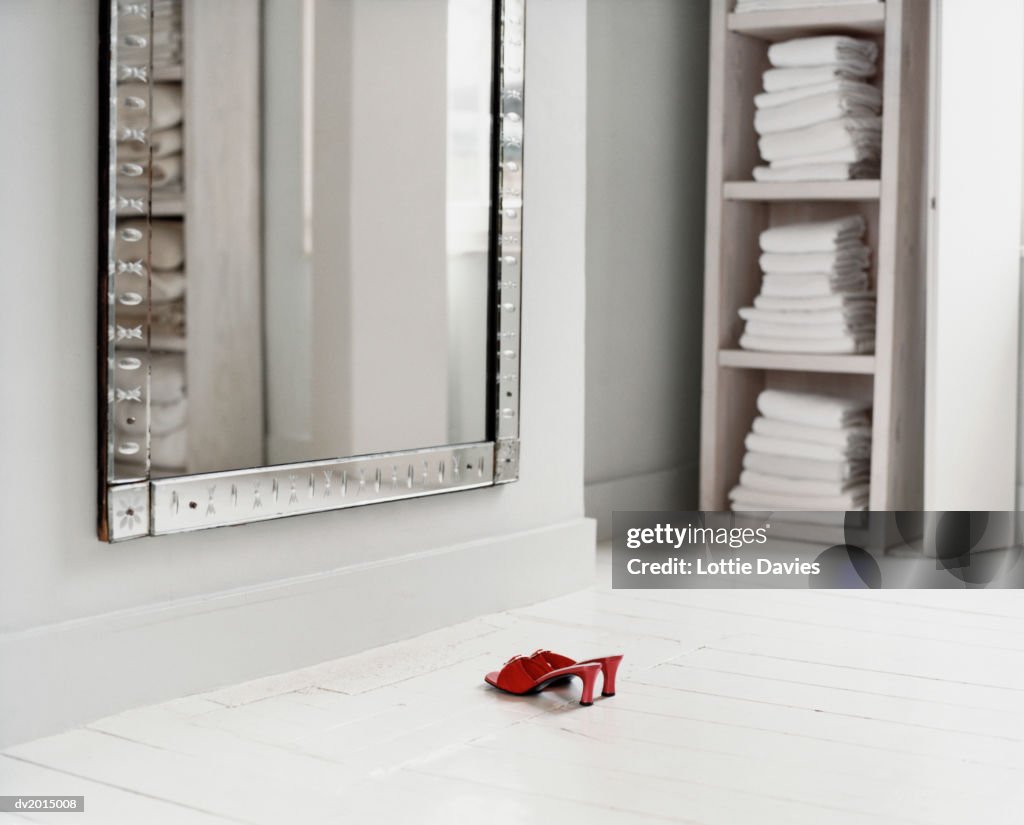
[135, 506]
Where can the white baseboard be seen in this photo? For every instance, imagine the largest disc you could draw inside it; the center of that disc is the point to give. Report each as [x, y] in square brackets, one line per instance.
[674, 489]
[58, 676]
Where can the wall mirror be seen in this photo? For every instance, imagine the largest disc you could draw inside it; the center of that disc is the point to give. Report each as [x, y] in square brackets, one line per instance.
[310, 272]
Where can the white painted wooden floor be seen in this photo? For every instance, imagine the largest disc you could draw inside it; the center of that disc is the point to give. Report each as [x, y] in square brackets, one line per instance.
[800, 708]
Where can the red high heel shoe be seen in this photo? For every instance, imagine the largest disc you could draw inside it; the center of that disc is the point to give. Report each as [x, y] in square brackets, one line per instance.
[609, 666]
[521, 675]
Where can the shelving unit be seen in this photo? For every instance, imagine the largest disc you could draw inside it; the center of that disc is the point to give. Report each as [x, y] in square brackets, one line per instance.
[866, 19]
[845, 190]
[797, 362]
[738, 209]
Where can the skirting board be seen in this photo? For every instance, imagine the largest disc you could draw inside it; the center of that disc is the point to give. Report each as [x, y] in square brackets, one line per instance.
[674, 489]
[58, 676]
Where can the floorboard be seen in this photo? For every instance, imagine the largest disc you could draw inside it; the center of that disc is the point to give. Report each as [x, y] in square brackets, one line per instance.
[733, 707]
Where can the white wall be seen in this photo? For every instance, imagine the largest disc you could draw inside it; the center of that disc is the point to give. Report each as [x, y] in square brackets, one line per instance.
[87, 629]
[647, 128]
[974, 271]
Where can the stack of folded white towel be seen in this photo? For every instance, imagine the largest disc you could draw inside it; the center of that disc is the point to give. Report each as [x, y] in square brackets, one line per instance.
[806, 452]
[166, 307]
[167, 34]
[164, 31]
[781, 5]
[818, 118]
[814, 294]
[155, 113]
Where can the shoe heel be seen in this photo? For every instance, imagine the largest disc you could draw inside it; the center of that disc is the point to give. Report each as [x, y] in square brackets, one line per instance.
[610, 666]
[588, 673]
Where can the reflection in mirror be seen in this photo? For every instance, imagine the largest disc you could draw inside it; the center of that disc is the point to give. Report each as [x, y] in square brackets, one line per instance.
[320, 235]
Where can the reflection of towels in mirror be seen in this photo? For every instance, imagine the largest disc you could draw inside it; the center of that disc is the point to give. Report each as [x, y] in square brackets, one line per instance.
[166, 172]
[134, 106]
[167, 243]
[163, 418]
[854, 90]
[166, 381]
[163, 143]
[167, 321]
[168, 452]
[164, 287]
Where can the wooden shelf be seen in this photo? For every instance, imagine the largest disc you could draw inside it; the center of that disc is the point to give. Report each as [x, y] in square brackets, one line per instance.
[739, 210]
[815, 190]
[797, 362]
[865, 18]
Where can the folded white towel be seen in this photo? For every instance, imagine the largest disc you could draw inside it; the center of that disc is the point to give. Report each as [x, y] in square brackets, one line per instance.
[842, 300]
[844, 345]
[816, 236]
[816, 171]
[745, 498]
[163, 143]
[861, 153]
[856, 90]
[846, 132]
[781, 5]
[769, 445]
[812, 318]
[166, 246]
[137, 104]
[163, 418]
[848, 258]
[862, 331]
[809, 111]
[838, 437]
[807, 468]
[812, 284]
[781, 80]
[794, 486]
[812, 409]
[802, 52]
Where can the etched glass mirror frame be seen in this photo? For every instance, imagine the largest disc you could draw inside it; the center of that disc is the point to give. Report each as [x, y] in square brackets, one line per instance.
[132, 504]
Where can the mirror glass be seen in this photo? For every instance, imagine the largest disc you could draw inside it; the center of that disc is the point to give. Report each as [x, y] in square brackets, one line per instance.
[319, 280]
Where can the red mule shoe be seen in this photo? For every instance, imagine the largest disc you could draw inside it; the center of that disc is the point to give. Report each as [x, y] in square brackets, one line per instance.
[520, 675]
[609, 666]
